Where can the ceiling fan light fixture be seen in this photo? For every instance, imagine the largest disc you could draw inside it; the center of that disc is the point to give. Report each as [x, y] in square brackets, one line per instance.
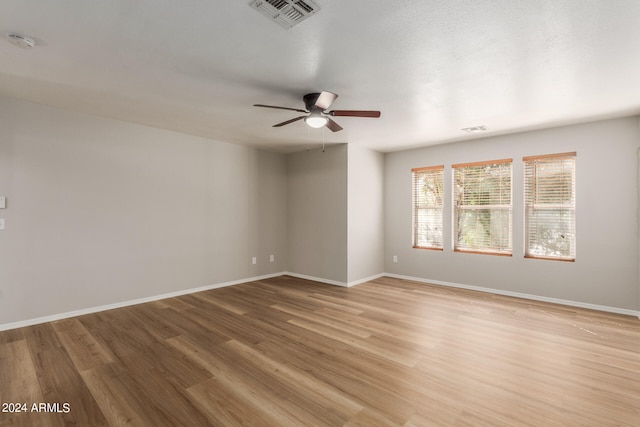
[316, 121]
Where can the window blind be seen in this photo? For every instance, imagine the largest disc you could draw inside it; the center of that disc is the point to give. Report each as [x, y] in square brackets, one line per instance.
[482, 207]
[428, 186]
[550, 207]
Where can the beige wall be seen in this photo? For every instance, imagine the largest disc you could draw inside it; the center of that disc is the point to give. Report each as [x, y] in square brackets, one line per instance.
[335, 214]
[606, 269]
[365, 213]
[101, 212]
[317, 214]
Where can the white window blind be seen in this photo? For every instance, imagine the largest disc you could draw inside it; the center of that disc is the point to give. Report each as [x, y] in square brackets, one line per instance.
[482, 207]
[550, 206]
[428, 186]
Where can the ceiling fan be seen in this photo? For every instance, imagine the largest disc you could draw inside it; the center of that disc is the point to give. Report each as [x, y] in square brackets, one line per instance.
[316, 105]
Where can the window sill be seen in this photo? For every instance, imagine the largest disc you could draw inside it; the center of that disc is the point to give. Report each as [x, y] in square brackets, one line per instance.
[548, 258]
[465, 251]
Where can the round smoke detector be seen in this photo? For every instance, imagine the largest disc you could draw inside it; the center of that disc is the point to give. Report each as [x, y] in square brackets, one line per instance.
[21, 41]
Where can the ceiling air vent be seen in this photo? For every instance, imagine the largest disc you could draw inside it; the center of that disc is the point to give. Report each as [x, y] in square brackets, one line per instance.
[286, 13]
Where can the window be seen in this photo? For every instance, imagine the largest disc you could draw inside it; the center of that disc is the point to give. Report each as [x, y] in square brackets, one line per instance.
[550, 206]
[482, 207]
[428, 185]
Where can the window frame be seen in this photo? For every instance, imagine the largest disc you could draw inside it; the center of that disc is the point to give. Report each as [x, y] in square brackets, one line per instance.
[416, 208]
[559, 207]
[457, 208]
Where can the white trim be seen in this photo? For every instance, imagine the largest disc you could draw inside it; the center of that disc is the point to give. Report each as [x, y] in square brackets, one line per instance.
[335, 282]
[521, 295]
[366, 279]
[69, 314]
[317, 279]
[60, 316]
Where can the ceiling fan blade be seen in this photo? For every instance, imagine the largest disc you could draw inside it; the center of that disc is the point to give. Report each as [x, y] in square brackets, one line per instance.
[325, 99]
[333, 126]
[355, 113]
[280, 108]
[289, 121]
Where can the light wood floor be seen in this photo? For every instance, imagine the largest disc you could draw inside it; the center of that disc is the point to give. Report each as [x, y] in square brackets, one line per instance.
[289, 352]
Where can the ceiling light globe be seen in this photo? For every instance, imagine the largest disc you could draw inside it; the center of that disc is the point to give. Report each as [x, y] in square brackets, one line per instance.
[316, 121]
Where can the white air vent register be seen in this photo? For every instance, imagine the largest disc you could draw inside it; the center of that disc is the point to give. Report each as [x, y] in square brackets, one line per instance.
[286, 13]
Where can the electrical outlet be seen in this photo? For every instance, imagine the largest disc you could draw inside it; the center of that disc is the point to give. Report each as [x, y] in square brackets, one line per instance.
[272, 258]
[254, 260]
[395, 258]
[3, 202]
[1, 223]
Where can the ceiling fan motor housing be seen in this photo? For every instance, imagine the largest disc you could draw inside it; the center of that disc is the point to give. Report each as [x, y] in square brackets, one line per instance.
[310, 101]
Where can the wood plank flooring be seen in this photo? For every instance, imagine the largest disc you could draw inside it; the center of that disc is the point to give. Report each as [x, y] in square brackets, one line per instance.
[289, 352]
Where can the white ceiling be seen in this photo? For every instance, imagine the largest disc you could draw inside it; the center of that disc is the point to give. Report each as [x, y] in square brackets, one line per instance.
[431, 66]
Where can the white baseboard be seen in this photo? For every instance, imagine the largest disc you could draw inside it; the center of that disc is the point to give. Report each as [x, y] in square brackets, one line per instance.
[334, 282]
[366, 279]
[317, 279]
[66, 315]
[520, 295]
[90, 310]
